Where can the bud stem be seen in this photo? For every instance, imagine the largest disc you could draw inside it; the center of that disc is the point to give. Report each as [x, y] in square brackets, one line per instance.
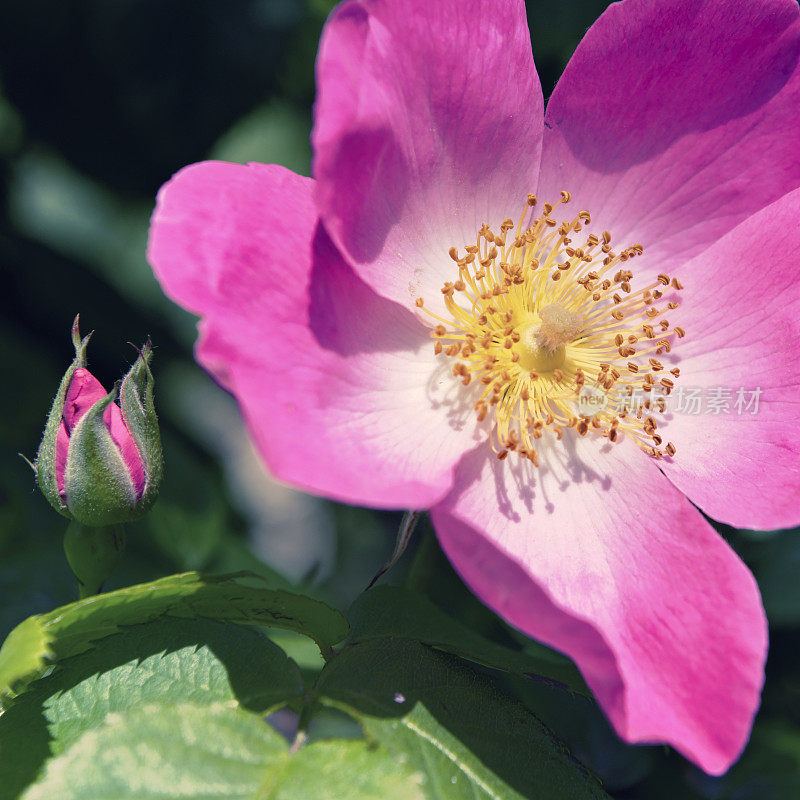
[92, 554]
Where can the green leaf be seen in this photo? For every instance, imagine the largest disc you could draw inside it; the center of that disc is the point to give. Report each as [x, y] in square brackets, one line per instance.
[215, 752]
[334, 770]
[452, 724]
[41, 640]
[392, 611]
[24, 656]
[154, 751]
[167, 661]
[584, 728]
[200, 661]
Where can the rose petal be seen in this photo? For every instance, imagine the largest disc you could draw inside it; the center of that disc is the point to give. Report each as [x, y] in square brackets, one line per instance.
[428, 124]
[338, 385]
[62, 446]
[598, 555]
[127, 446]
[677, 119]
[83, 392]
[739, 458]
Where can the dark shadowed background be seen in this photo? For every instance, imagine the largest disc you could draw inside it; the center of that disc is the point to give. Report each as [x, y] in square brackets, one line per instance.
[100, 102]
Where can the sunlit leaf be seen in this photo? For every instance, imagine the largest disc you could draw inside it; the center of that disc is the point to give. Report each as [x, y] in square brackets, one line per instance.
[167, 661]
[41, 640]
[215, 752]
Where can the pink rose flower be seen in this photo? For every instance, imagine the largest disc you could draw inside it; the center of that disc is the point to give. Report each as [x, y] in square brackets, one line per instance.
[406, 331]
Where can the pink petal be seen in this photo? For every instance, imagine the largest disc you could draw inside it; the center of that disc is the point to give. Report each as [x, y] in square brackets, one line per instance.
[127, 446]
[596, 554]
[337, 384]
[742, 465]
[677, 119]
[84, 391]
[62, 446]
[428, 124]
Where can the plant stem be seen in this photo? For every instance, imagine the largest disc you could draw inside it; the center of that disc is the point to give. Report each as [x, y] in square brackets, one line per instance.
[407, 526]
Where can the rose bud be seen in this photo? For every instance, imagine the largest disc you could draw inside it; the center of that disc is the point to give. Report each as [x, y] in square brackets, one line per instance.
[99, 462]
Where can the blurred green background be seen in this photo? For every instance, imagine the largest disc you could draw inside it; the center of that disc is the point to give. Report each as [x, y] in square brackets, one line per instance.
[100, 102]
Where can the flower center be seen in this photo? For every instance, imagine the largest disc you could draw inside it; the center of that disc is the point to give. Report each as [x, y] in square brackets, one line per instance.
[555, 335]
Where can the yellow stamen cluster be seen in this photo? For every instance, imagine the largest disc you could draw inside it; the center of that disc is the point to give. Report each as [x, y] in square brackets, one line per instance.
[555, 335]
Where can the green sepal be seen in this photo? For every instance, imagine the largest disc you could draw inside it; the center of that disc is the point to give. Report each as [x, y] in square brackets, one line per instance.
[45, 464]
[139, 413]
[92, 553]
[97, 482]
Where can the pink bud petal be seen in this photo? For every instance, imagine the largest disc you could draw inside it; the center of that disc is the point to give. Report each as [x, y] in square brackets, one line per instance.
[84, 391]
[62, 444]
[127, 446]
